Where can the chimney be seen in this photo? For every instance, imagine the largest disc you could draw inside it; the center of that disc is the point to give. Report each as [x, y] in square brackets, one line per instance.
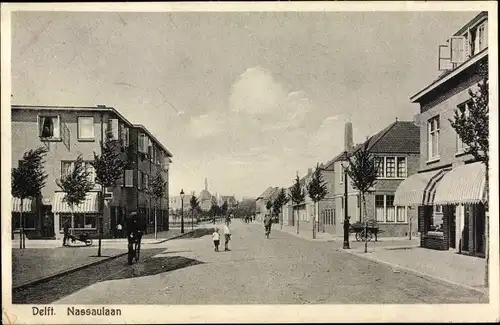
[348, 136]
[309, 170]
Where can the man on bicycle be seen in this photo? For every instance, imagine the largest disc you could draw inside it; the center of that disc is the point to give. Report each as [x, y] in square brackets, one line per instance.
[267, 224]
[134, 231]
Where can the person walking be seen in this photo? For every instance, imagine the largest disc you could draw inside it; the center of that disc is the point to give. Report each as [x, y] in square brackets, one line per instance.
[119, 230]
[267, 224]
[216, 239]
[227, 236]
[66, 233]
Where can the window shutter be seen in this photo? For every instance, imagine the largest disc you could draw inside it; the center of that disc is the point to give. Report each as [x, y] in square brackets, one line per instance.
[113, 128]
[485, 40]
[139, 179]
[457, 49]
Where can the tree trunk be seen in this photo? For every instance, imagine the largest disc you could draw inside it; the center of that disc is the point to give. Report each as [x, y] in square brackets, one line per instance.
[156, 224]
[314, 220]
[101, 216]
[366, 223]
[298, 217]
[21, 226]
[410, 221]
[487, 230]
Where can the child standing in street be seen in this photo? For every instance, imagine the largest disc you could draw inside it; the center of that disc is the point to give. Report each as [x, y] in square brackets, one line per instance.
[227, 236]
[216, 239]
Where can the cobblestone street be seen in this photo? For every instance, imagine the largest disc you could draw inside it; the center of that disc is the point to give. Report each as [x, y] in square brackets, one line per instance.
[281, 269]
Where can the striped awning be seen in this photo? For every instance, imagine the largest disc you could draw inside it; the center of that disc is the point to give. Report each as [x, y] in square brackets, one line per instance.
[418, 189]
[462, 185]
[16, 205]
[90, 205]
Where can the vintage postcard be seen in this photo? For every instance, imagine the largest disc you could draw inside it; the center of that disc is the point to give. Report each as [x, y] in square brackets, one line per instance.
[250, 162]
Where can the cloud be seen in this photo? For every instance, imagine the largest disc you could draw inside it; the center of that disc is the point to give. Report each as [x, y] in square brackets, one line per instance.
[205, 125]
[256, 92]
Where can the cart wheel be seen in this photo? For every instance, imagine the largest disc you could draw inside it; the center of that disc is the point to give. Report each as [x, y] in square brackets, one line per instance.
[358, 236]
[88, 242]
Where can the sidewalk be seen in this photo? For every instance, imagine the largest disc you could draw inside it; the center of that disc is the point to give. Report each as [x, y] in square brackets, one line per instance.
[444, 266]
[44, 259]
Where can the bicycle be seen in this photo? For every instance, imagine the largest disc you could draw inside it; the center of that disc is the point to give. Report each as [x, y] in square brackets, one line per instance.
[134, 248]
[268, 231]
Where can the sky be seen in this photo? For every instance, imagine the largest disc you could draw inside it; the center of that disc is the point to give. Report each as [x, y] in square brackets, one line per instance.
[245, 99]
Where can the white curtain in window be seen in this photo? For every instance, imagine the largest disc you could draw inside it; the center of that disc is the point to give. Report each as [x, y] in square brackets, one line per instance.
[391, 214]
[86, 127]
[379, 211]
[401, 214]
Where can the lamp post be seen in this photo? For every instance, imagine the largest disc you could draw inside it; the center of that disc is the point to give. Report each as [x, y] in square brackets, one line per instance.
[182, 211]
[345, 165]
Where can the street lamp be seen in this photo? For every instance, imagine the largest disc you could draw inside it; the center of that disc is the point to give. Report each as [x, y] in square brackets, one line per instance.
[345, 165]
[182, 211]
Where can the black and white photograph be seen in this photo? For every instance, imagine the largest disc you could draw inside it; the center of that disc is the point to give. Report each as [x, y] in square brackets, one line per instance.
[206, 156]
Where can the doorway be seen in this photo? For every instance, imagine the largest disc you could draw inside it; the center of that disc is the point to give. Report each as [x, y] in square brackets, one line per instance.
[479, 215]
[452, 215]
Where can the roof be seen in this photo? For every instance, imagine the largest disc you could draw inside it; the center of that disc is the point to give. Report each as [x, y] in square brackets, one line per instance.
[398, 137]
[98, 108]
[143, 128]
[267, 193]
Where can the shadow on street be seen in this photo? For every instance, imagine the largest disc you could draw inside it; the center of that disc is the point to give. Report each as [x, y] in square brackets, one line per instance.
[154, 266]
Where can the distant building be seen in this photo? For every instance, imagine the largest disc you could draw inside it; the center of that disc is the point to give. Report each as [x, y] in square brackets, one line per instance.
[268, 195]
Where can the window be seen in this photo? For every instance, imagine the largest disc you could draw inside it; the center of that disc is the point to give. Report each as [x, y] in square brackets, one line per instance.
[29, 220]
[482, 36]
[379, 163]
[390, 208]
[329, 217]
[435, 223]
[464, 107]
[85, 128]
[113, 128]
[401, 165]
[390, 167]
[433, 138]
[129, 178]
[146, 182]
[401, 214]
[380, 207]
[49, 127]
[67, 168]
[81, 220]
[142, 143]
[386, 211]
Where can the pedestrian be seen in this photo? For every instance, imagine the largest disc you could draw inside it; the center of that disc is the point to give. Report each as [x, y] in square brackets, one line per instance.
[66, 233]
[227, 236]
[267, 224]
[216, 239]
[119, 230]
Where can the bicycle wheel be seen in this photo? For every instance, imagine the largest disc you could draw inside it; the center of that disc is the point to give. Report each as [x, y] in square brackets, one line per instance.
[88, 242]
[137, 251]
[358, 236]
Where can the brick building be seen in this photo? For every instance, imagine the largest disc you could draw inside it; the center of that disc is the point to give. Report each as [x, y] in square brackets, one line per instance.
[449, 187]
[67, 132]
[396, 150]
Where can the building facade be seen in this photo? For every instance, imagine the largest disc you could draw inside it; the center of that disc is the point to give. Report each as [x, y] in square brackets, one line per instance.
[396, 153]
[268, 195]
[449, 189]
[66, 133]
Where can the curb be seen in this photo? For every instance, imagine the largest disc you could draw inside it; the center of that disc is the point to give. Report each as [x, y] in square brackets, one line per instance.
[76, 268]
[167, 239]
[418, 273]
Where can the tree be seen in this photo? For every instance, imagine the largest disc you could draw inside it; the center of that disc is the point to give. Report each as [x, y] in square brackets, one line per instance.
[471, 122]
[214, 209]
[75, 184]
[279, 202]
[158, 187]
[363, 172]
[297, 195]
[109, 169]
[195, 207]
[317, 190]
[223, 209]
[28, 179]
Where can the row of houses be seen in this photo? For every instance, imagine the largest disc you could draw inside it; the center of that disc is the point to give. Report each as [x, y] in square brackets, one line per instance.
[66, 133]
[428, 184]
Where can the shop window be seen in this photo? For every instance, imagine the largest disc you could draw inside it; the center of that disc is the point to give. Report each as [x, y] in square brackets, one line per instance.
[28, 219]
[81, 220]
[435, 223]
